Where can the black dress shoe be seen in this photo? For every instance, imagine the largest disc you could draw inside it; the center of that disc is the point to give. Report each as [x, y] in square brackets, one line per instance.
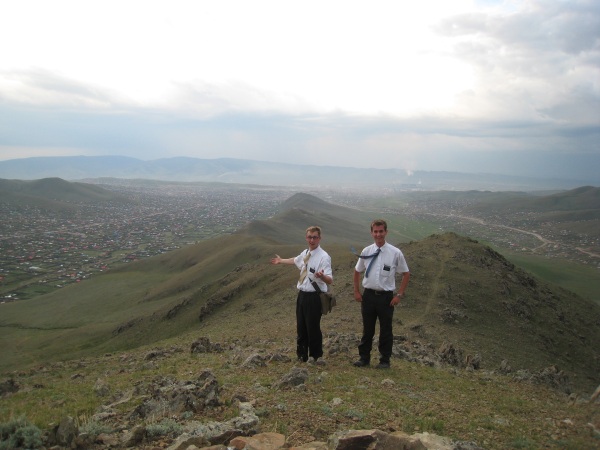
[383, 365]
[360, 363]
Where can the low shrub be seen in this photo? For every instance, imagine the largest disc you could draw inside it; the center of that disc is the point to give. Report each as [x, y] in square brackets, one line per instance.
[19, 433]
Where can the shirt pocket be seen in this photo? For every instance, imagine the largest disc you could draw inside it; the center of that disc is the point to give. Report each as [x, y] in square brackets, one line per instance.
[387, 269]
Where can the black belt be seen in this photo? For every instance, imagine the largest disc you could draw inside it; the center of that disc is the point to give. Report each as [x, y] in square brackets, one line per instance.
[377, 292]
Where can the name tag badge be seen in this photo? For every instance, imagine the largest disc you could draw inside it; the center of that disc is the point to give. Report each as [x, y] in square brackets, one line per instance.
[386, 268]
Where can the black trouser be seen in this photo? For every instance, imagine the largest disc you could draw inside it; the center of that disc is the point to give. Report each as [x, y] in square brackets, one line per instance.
[376, 305]
[308, 324]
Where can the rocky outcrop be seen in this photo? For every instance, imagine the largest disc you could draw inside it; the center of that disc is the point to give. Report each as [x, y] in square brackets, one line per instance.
[203, 345]
[168, 396]
[295, 377]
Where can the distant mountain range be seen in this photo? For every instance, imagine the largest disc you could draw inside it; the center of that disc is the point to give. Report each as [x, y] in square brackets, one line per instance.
[242, 171]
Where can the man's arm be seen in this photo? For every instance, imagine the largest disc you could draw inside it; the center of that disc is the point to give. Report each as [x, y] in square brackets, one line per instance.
[326, 273]
[279, 260]
[356, 280]
[328, 279]
[403, 284]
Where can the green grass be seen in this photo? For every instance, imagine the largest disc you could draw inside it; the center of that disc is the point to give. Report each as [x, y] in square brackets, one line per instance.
[582, 279]
[34, 290]
[427, 423]
[71, 320]
[409, 230]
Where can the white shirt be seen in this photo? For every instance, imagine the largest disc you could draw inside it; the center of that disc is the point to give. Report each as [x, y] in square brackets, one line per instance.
[382, 276]
[319, 260]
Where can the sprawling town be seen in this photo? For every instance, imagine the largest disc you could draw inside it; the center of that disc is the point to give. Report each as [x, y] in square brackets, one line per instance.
[44, 249]
[521, 232]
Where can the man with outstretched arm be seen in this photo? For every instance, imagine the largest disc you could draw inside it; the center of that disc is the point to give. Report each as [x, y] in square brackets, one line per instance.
[380, 262]
[315, 267]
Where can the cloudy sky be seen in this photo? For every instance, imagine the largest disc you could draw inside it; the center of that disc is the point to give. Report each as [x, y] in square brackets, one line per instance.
[471, 86]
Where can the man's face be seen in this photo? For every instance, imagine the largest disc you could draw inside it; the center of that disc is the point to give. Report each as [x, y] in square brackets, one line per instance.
[379, 232]
[313, 239]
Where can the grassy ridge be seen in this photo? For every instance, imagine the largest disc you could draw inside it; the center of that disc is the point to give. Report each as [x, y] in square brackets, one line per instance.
[460, 292]
[54, 193]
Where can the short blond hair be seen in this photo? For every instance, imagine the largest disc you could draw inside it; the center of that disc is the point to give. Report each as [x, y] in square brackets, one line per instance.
[314, 228]
[378, 223]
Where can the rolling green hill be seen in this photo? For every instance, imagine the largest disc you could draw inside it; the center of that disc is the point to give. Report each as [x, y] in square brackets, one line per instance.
[581, 202]
[339, 224]
[54, 193]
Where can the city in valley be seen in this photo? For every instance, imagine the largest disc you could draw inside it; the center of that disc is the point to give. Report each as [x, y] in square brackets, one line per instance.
[42, 250]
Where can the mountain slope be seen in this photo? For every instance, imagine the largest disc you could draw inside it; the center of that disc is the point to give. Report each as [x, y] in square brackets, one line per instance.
[582, 198]
[460, 292]
[585, 198]
[54, 193]
[473, 295]
[338, 224]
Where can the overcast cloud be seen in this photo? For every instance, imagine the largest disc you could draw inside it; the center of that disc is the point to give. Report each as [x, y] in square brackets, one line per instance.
[471, 86]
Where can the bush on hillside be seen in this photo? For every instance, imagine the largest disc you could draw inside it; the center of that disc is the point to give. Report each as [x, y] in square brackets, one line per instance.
[19, 433]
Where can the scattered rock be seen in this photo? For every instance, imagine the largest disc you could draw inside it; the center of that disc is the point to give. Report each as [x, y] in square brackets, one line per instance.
[387, 382]
[473, 362]
[169, 397]
[366, 439]
[451, 355]
[279, 357]
[84, 440]
[8, 386]
[101, 388]
[134, 437]
[504, 368]
[254, 360]
[315, 445]
[336, 401]
[222, 432]
[153, 354]
[66, 431]
[295, 377]
[203, 345]
[184, 441]
[108, 440]
[550, 376]
[262, 441]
